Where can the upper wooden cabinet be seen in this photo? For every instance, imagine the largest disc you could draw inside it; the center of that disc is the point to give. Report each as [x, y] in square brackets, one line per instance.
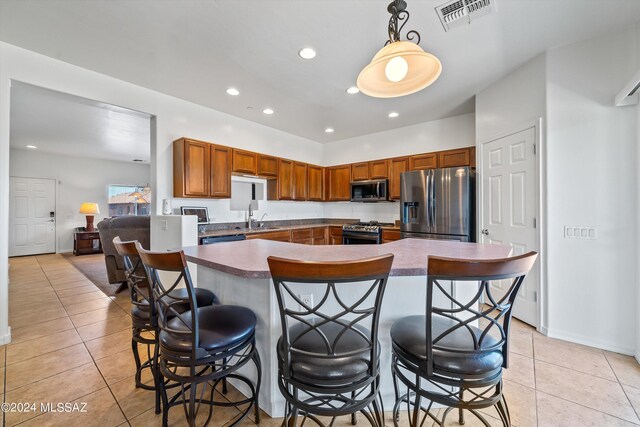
[300, 181]
[245, 162]
[379, 169]
[315, 177]
[282, 188]
[453, 158]
[423, 161]
[267, 165]
[191, 168]
[360, 171]
[396, 168]
[220, 171]
[338, 183]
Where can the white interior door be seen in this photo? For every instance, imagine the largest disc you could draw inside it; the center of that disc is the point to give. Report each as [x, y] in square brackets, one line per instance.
[32, 221]
[509, 204]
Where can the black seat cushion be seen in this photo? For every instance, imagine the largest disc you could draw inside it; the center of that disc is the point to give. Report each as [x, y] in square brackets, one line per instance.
[221, 327]
[409, 334]
[314, 368]
[204, 297]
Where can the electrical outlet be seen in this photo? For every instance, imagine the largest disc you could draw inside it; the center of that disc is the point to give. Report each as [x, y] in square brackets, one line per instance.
[307, 299]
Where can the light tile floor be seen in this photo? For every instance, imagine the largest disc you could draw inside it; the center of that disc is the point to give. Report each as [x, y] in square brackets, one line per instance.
[71, 343]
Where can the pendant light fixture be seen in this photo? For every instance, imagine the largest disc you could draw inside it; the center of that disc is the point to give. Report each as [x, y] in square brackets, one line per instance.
[400, 67]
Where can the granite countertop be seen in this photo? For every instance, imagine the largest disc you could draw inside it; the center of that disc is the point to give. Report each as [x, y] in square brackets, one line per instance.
[232, 231]
[248, 258]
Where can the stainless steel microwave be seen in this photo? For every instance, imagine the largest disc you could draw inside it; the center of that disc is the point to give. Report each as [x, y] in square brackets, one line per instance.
[370, 191]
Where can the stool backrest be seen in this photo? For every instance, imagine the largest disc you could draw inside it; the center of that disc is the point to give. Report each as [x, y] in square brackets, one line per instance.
[349, 296]
[493, 318]
[168, 306]
[134, 273]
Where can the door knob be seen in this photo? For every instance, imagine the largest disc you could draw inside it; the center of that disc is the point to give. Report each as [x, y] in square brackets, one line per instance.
[485, 231]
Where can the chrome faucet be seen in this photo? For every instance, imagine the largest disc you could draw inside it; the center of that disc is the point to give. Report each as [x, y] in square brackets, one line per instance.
[261, 222]
[250, 217]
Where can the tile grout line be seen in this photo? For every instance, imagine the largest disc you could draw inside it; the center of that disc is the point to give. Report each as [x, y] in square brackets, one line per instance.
[621, 386]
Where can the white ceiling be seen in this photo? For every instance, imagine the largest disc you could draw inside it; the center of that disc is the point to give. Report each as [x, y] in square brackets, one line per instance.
[195, 49]
[65, 124]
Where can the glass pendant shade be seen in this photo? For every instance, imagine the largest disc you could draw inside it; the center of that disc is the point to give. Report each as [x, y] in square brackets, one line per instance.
[423, 69]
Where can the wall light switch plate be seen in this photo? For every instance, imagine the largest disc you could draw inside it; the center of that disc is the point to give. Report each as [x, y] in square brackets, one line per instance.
[580, 232]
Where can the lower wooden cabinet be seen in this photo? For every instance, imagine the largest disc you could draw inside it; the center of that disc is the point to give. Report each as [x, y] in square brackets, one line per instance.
[303, 236]
[335, 235]
[319, 235]
[279, 236]
[390, 235]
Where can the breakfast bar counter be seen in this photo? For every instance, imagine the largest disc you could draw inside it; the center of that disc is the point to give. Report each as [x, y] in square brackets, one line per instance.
[239, 274]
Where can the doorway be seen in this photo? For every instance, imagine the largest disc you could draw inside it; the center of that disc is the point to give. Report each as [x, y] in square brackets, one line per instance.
[32, 216]
[509, 206]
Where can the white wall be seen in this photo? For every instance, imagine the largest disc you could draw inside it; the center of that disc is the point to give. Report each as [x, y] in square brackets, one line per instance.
[445, 134]
[591, 167]
[590, 179]
[78, 180]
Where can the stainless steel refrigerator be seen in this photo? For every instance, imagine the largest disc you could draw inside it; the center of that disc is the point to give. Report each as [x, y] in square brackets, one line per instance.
[438, 204]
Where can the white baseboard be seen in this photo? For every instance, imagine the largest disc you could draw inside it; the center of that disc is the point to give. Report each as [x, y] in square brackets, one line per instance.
[637, 356]
[65, 251]
[589, 341]
[6, 339]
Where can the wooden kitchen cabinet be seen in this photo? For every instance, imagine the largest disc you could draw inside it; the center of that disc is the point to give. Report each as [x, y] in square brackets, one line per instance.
[379, 169]
[267, 166]
[303, 236]
[338, 183]
[220, 171]
[319, 235]
[245, 162]
[423, 161]
[390, 235]
[453, 158]
[335, 235]
[360, 171]
[300, 181]
[316, 177]
[283, 187]
[191, 168]
[396, 167]
[279, 236]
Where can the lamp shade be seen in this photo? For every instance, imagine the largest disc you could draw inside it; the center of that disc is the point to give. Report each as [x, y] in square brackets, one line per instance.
[89, 208]
[400, 68]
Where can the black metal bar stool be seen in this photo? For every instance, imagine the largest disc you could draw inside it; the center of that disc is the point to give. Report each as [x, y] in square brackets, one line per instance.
[143, 314]
[202, 346]
[454, 355]
[328, 354]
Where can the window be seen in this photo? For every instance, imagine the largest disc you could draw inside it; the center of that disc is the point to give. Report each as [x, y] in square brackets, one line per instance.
[129, 200]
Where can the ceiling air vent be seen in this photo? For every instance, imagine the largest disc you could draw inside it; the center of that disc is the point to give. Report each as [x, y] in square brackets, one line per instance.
[455, 13]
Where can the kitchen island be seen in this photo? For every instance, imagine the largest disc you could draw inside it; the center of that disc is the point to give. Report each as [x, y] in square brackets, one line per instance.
[239, 274]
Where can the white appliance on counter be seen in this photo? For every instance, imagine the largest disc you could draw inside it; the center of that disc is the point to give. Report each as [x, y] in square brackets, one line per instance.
[170, 232]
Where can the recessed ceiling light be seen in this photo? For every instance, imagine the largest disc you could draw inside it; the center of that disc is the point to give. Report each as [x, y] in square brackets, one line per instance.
[353, 90]
[329, 130]
[307, 53]
[31, 147]
[393, 115]
[268, 111]
[233, 91]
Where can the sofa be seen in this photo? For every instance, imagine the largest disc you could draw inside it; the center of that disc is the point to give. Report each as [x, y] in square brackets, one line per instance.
[127, 228]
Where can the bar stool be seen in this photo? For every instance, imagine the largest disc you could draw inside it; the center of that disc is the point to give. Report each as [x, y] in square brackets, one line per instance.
[454, 355]
[329, 354]
[202, 346]
[144, 320]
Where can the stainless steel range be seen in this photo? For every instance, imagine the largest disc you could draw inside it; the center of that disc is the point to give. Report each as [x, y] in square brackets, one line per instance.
[363, 233]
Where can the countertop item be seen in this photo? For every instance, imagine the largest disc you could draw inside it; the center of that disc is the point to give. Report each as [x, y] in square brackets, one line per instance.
[248, 258]
[231, 228]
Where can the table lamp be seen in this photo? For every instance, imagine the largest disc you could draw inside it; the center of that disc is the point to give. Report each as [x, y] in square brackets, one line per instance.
[89, 209]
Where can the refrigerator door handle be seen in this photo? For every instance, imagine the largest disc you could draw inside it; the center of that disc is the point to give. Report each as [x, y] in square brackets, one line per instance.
[432, 196]
[428, 204]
